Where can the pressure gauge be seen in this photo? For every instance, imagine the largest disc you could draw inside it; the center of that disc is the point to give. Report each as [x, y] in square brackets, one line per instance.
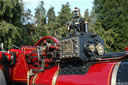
[100, 49]
[92, 47]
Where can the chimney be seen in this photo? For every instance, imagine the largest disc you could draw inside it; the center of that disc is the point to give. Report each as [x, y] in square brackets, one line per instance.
[86, 26]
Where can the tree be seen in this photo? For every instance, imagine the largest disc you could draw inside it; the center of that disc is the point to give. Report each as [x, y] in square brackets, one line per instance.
[51, 15]
[56, 25]
[40, 15]
[86, 14]
[11, 10]
[40, 21]
[10, 15]
[113, 16]
[64, 15]
[26, 17]
[10, 34]
[106, 35]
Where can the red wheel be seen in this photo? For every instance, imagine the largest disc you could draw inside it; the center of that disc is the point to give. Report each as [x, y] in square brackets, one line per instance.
[45, 38]
[44, 45]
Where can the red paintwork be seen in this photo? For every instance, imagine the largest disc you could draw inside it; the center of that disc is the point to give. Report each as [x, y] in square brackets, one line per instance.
[45, 77]
[19, 70]
[126, 48]
[98, 74]
[9, 59]
[46, 37]
[6, 54]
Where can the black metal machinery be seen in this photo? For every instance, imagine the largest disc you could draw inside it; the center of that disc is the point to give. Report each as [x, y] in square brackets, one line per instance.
[81, 43]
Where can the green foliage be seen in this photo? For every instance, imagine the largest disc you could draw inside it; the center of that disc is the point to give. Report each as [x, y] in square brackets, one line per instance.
[113, 16]
[11, 10]
[10, 34]
[26, 17]
[108, 19]
[86, 14]
[56, 25]
[51, 15]
[29, 34]
[40, 23]
[40, 15]
[106, 35]
[10, 15]
[65, 14]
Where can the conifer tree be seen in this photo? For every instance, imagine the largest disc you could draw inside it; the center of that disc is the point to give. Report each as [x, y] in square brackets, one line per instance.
[113, 15]
[11, 11]
[64, 15]
[10, 15]
[51, 15]
[86, 14]
[40, 14]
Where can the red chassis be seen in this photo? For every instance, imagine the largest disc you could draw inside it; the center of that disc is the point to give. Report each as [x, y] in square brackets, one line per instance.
[20, 70]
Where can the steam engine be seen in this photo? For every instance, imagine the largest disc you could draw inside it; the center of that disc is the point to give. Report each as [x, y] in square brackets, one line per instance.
[78, 59]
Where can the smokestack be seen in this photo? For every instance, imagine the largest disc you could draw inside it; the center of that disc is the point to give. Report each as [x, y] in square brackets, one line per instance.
[76, 14]
[86, 26]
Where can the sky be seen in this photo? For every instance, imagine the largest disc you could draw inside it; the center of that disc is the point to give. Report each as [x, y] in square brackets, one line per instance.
[82, 4]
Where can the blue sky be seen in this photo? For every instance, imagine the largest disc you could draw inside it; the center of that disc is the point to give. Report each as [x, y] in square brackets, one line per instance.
[82, 4]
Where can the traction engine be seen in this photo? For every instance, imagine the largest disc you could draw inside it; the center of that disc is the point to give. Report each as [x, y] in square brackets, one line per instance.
[78, 59]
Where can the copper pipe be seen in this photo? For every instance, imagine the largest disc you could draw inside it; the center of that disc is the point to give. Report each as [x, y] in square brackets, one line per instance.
[117, 58]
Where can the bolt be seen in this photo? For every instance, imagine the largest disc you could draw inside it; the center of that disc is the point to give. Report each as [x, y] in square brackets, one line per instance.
[119, 71]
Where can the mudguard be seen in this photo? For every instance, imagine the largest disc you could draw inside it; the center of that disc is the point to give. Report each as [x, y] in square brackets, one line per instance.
[2, 78]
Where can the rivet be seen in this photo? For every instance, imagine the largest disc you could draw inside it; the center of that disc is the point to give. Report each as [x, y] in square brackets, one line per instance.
[119, 71]
[76, 46]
